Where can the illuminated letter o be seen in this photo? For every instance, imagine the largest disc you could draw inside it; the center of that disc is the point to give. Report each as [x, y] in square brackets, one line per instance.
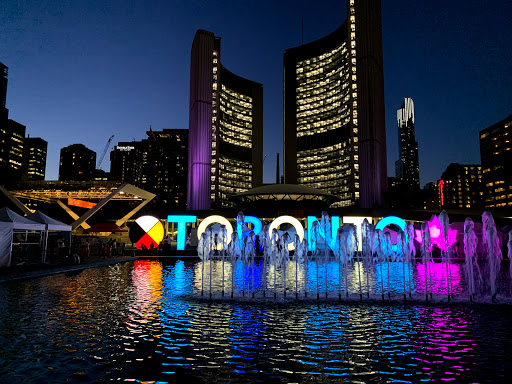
[290, 220]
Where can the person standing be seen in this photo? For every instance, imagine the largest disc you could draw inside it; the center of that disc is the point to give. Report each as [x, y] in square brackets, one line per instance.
[87, 248]
[62, 247]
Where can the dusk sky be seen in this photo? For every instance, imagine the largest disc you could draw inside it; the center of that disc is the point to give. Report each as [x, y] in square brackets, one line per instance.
[81, 71]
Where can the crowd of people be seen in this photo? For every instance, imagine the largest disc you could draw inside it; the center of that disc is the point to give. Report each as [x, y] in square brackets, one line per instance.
[85, 248]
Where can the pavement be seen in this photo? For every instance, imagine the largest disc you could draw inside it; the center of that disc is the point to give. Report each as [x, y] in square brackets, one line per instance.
[27, 271]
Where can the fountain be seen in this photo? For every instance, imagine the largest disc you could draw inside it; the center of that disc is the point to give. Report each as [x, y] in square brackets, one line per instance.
[330, 264]
[471, 257]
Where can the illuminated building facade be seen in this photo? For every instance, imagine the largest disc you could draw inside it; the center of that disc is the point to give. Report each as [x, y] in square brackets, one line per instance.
[12, 137]
[164, 167]
[225, 126]
[461, 186]
[334, 129]
[34, 159]
[158, 164]
[496, 158]
[407, 166]
[77, 163]
[126, 163]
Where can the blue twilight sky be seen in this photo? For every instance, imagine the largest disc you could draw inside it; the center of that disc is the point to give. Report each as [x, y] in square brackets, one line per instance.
[81, 71]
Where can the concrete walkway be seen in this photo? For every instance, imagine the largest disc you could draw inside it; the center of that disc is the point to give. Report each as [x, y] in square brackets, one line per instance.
[20, 272]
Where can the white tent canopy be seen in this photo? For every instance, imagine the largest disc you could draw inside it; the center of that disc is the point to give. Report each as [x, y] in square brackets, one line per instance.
[50, 224]
[10, 221]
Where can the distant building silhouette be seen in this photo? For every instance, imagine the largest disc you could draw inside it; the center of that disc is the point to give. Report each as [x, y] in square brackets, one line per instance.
[126, 163]
[12, 137]
[496, 158]
[157, 164]
[407, 166]
[77, 163]
[34, 159]
[461, 186]
[225, 126]
[164, 167]
[430, 196]
[334, 126]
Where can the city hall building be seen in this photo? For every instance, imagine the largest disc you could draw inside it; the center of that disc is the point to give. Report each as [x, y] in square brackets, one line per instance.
[225, 129]
[334, 128]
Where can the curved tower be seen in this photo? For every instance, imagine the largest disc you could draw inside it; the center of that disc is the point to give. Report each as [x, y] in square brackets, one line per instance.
[225, 129]
[334, 129]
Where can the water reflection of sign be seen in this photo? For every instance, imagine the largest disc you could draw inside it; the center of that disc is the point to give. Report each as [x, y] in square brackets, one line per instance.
[146, 231]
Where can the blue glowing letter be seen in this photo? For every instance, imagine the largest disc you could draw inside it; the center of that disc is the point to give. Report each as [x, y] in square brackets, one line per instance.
[182, 221]
[256, 222]
[391, 220]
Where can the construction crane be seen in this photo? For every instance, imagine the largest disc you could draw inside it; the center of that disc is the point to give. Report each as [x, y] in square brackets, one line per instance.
[98, 165]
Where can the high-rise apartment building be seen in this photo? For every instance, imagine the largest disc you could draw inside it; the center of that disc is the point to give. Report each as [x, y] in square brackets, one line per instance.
[164, 167]
[77, 163]
[34, 159]
[496, 158]
[461, 186]
[407, 166]
[12, 137]
[126, 163]
[157, 164]
[334, 128]
[225, 126]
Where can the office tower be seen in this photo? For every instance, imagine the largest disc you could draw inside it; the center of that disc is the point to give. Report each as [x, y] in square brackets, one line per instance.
[334, 131]
[12, 137]
[461, 186]
[126, 163]
[3, 91]
[164, 167]
[496, 158]
[34, 159]
[77, 163]
[225, 127]
[407, 167]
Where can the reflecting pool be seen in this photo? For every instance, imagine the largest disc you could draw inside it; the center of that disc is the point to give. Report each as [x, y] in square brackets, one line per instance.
[146, 322]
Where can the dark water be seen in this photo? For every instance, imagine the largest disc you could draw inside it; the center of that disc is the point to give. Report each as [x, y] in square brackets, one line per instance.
[140, 322]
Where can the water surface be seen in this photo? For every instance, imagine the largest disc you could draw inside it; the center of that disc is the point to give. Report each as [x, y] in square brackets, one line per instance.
[145, 322]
